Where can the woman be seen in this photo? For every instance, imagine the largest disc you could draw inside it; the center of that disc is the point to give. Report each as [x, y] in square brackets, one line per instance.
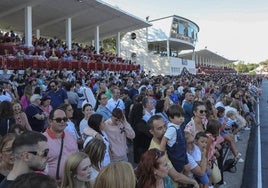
[152, 169]
[143, 136]
[35, 115]
[25, 99]
[116, 175]
[6, 162]
[20, 116]
[198, 122]
[68, 109]
[77, 171]
[96, 149]
[6, 117]
[87, 111]
[96, 123]
[46, 107]
[101, 106]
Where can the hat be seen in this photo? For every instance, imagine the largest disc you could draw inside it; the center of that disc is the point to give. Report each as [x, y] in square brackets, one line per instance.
[35, 97]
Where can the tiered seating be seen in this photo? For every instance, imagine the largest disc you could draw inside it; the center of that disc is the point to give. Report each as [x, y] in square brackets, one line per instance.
[95, 63]
[211, 70]
[21, 64]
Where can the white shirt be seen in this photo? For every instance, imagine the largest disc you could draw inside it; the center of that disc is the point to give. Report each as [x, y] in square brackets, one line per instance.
[171, 134]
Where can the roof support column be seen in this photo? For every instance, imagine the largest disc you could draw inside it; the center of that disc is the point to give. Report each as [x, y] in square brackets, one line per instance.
[28, 26]
[118, 45]
[38, 33]
[69, 33]
[97, 40]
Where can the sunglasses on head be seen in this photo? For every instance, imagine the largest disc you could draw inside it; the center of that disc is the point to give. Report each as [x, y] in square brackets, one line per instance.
[59, 120]
[44, 153]
[158, 154]
[202, 111]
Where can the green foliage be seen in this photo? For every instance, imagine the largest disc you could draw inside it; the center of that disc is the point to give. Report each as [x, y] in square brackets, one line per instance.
[109, 45]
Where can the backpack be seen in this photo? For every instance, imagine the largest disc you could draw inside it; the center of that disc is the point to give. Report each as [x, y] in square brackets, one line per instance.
[230, 165]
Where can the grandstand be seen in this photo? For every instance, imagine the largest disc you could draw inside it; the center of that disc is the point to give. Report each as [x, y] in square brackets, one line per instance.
[156, 47]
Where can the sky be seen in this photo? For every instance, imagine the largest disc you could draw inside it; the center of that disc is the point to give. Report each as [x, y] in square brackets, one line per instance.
[234, 29]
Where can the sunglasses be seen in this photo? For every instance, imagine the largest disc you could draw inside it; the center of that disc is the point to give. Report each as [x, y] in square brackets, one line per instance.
[59, 120]
[44, 153]
[158, 154]
[202, 111]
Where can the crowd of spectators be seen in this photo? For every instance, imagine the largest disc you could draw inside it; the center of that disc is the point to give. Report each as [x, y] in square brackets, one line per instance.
[86, 121]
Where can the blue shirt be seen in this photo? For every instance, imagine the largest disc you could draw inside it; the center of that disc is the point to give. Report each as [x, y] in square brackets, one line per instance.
[58, 97]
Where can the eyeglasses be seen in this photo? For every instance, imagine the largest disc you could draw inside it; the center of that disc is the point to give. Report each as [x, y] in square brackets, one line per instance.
[44, 153]
[202, 111]
[58, 120]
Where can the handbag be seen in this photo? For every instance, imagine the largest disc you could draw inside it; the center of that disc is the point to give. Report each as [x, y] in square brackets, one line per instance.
[215, 173]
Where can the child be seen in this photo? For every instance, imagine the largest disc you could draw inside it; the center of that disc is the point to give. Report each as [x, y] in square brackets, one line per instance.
[174, 139]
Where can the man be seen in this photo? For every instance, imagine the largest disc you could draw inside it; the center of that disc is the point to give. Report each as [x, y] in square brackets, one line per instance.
[187, 106]
[118, 130]
[134, 90]
[115, 101]
[61, 143]
[157, 129]
[149, 108]
[127, 101]
[30, 151]
[58, 95]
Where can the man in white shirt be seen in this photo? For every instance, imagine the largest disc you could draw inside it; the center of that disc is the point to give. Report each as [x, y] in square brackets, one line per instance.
[115, 101]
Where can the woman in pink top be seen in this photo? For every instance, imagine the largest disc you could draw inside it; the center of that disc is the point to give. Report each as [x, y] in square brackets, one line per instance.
[25, 99]
[199, 121]
[20, 116]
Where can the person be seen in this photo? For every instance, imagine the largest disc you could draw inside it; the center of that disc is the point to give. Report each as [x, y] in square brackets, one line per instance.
[33, 180]
[174, 139]
[68, 109]
[35, 114]
[77, 171]
[143, 137]
[152, 169]
[187, 105]
[199, 121]
[46, 107]
[6, 163]
[160, 110]
[101, 106]
[157, 129]
[6, 117]
[30, 151]
[61, 143]
[109, 176]
[149, 108]
[87, 111]
[20, 116]
[197, 158]
[118, 130]
[96, 150]
[27, 93]
[115, 101]
[58, 95]
[127, 101]
[96, 123]
[17, 129]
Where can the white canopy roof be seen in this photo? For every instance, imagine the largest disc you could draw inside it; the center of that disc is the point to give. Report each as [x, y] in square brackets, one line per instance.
[49, 16]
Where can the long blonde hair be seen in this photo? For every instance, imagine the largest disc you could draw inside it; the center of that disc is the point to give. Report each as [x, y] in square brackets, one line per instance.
[70, 167]
[116, 175]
